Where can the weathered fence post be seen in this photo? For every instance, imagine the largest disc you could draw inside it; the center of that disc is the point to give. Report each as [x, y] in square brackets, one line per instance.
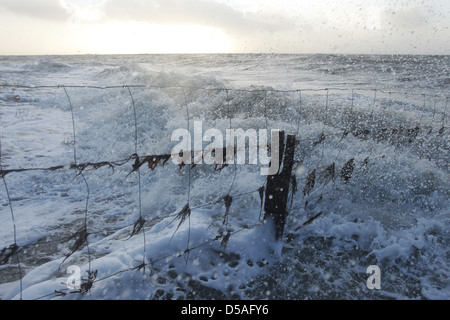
[277, 189]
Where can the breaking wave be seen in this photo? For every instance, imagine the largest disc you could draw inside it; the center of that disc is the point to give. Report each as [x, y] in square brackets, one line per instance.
[391, 212]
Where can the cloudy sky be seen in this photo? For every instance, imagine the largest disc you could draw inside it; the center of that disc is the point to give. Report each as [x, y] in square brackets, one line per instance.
[220, 26]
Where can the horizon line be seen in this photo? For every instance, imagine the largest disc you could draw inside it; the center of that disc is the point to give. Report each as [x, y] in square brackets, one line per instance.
[221, 53]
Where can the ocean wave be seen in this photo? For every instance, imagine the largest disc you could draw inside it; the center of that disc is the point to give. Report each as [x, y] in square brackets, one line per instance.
[45, 65]
[121, 71]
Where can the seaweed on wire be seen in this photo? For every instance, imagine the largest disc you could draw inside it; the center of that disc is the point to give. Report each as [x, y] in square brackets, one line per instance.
[7, 252]
[80, 238]
[137, 226]
[329, 173]
[227, 200]
[310, 182]
[321, 139]
[87, 283]
[347, 170]
[225, 240]
[182, 216]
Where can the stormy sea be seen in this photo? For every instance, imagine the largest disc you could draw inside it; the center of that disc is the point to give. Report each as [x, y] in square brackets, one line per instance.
[91, 206]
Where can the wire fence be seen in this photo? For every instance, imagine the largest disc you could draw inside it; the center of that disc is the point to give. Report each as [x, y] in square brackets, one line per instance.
[325, 122]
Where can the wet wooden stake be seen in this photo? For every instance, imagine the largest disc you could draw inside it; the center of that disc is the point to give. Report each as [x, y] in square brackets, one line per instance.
[277, 189]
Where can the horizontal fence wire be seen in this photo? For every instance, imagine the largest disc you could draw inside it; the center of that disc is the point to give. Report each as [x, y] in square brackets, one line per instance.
[142, 86]
[327, 171]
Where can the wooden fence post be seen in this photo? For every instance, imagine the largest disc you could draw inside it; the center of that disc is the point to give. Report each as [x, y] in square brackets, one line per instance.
[277, 189]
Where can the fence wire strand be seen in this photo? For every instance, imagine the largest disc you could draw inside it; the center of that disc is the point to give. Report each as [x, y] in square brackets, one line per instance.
[14, 248]
[139, 224]
[84, 234]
